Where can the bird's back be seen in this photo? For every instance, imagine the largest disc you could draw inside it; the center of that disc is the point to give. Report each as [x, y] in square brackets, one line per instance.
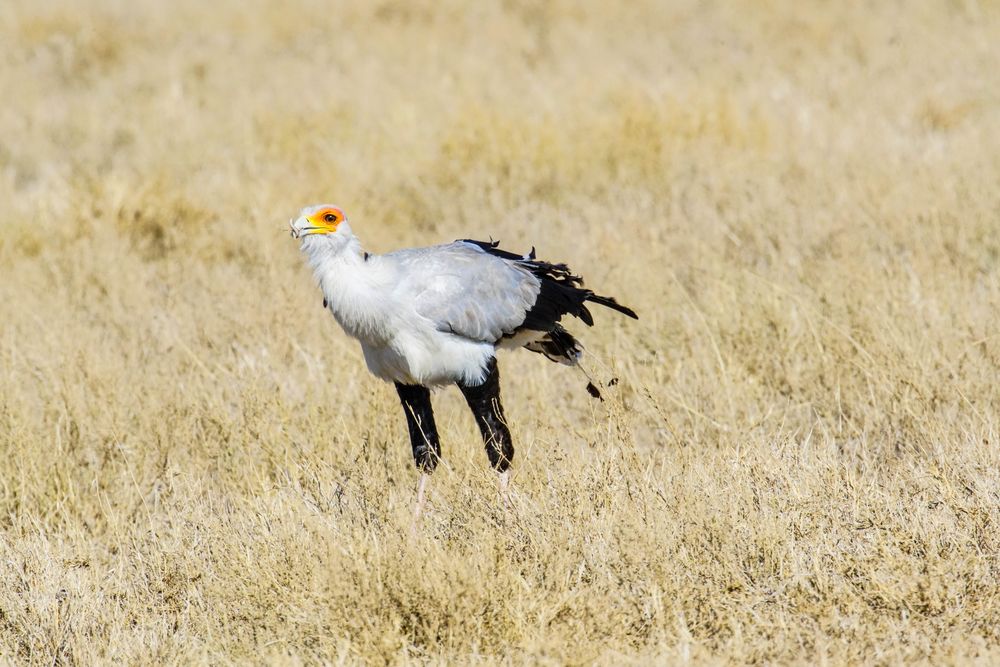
[463, 290]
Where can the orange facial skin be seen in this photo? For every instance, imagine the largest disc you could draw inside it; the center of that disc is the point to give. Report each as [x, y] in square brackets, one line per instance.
[326, 220]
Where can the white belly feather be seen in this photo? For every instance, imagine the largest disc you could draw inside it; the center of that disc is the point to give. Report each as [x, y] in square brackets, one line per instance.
[434, 358]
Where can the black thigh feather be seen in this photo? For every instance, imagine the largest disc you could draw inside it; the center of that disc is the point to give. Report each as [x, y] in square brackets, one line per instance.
[484, 401]
[424, 440]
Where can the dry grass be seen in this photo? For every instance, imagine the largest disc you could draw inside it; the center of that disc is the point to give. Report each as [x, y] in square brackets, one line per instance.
[799, 465]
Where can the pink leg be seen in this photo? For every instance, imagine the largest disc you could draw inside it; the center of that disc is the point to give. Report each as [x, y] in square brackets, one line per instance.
[418, 506]
[505, 489]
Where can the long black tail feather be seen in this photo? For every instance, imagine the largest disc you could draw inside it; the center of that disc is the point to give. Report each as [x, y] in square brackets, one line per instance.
[610, 302]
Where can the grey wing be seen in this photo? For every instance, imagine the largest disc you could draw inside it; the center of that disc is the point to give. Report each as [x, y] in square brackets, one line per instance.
[466, 291]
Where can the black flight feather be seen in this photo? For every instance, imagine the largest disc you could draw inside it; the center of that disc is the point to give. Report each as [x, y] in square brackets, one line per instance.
[561, 292]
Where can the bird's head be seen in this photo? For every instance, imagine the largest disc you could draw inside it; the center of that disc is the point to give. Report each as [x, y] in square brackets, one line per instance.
[320, 221]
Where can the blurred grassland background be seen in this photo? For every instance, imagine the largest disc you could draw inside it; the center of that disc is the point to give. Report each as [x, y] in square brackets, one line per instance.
[799, 464]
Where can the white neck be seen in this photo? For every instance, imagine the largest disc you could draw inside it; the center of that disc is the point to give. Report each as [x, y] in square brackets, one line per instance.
[354, 287]
[342, 247]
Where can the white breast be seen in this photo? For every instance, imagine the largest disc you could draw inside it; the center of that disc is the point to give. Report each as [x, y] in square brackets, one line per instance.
[428, 358]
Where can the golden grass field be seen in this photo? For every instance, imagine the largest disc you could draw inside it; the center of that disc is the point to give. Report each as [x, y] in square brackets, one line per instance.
[800, 464]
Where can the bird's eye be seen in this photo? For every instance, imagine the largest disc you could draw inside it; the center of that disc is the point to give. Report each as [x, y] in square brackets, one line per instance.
[329, 217]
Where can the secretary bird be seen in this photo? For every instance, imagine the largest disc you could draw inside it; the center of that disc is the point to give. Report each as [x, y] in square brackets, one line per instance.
[427, 317]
